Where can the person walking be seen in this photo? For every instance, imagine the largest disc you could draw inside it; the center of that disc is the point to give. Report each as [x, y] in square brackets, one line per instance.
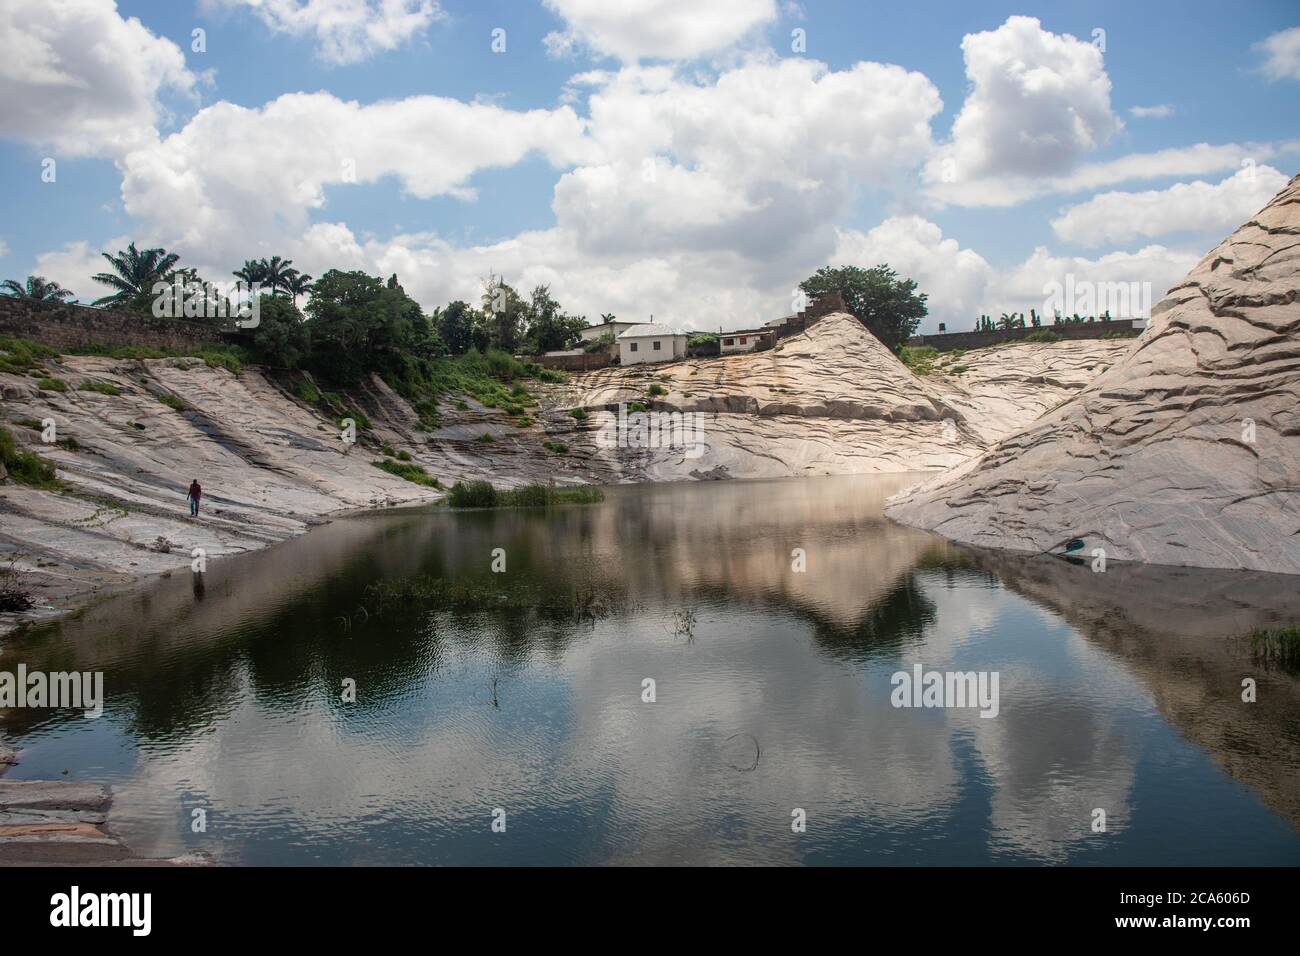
[196, 492]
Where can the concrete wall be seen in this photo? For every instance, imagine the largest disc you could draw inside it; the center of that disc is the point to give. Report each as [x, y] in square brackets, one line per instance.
[975, 340]
[751, 341]
[61, 325]
[581, 362]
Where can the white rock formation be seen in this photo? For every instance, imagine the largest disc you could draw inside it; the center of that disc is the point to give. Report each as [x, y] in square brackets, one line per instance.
[1186, 452]
[829, 401]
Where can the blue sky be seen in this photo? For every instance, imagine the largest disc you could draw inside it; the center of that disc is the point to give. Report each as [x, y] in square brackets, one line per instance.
[654, 156]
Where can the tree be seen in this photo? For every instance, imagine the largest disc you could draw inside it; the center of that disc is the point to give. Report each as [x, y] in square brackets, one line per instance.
[606, 317]
[456, 325]
[299, 283]
[359, 324]
[36, 287]
[889, 306]
[280, 338]
[252, 271]
[549, 328]
[504, 314]
[135, 273]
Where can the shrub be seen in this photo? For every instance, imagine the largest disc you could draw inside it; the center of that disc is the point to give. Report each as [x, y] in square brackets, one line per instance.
[403, 455]
[408, 470]
[103, 388]
[25, 467]
[171, 401]
[1277, 647]
[481, 494]
[1043, 335]
[636, 407]
[21, 355]
[388, 450]
[13, 596]
[473, 494]
[485, 438]
[52, 385]
[306, 391]
[558, 447]
[919, 358]
[656, 390]
[579, 414]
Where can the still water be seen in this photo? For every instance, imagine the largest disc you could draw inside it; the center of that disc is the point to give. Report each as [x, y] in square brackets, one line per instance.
[524, 691]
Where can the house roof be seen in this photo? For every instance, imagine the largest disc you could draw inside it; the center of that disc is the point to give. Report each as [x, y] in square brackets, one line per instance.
[647, 330]
[606, 327]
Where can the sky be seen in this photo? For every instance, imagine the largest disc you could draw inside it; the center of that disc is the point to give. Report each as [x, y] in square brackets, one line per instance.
[690, 160]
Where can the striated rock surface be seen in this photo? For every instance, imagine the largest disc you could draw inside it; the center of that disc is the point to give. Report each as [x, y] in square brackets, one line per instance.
[271, 466]
[1186, 452]
[829, 401]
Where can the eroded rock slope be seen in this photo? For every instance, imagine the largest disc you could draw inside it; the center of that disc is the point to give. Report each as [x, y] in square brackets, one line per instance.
[1186, 452]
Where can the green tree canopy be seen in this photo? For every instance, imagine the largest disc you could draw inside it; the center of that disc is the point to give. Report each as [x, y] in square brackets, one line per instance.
[360, 324]
[456, 324]
[549, 328]
[889, 306]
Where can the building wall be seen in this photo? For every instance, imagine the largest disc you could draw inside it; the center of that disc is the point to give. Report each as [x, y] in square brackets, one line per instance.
[753, 340]
[62, 325]
[670, 347]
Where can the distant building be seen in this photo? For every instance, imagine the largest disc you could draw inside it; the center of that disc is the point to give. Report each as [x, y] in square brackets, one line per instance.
[745, 340]
[593, 332]
[651, 343]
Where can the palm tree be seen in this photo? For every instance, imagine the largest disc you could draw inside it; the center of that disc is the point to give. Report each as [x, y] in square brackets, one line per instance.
[606, 317]
[277, 273]
[298, 283]
[36, 287]
[253, 270]
[135, 272]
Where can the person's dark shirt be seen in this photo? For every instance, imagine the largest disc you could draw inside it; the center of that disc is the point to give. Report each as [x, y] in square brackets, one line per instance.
[195, 491]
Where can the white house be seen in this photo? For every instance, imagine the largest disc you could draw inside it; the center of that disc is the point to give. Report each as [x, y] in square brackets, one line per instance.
[745, 340]
[651, 343]
[593, 332]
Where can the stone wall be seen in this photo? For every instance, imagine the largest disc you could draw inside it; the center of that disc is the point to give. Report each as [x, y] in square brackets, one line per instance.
[580, 362]
[946, 341]
[62, 325]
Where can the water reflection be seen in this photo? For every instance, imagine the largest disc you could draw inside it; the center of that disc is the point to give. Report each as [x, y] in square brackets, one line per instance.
[524, 690]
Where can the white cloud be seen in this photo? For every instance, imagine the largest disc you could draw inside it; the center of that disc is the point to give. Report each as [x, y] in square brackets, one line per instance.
[76, 76]
[760, 161]
[1022, 286]
[1039, 102]
[1217, 209]
[954, 279]
[1198, 160]
[632, 30]
[74, 264]
[1158, 111]
[345, 31]
[233, 173]
[1282, 52]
